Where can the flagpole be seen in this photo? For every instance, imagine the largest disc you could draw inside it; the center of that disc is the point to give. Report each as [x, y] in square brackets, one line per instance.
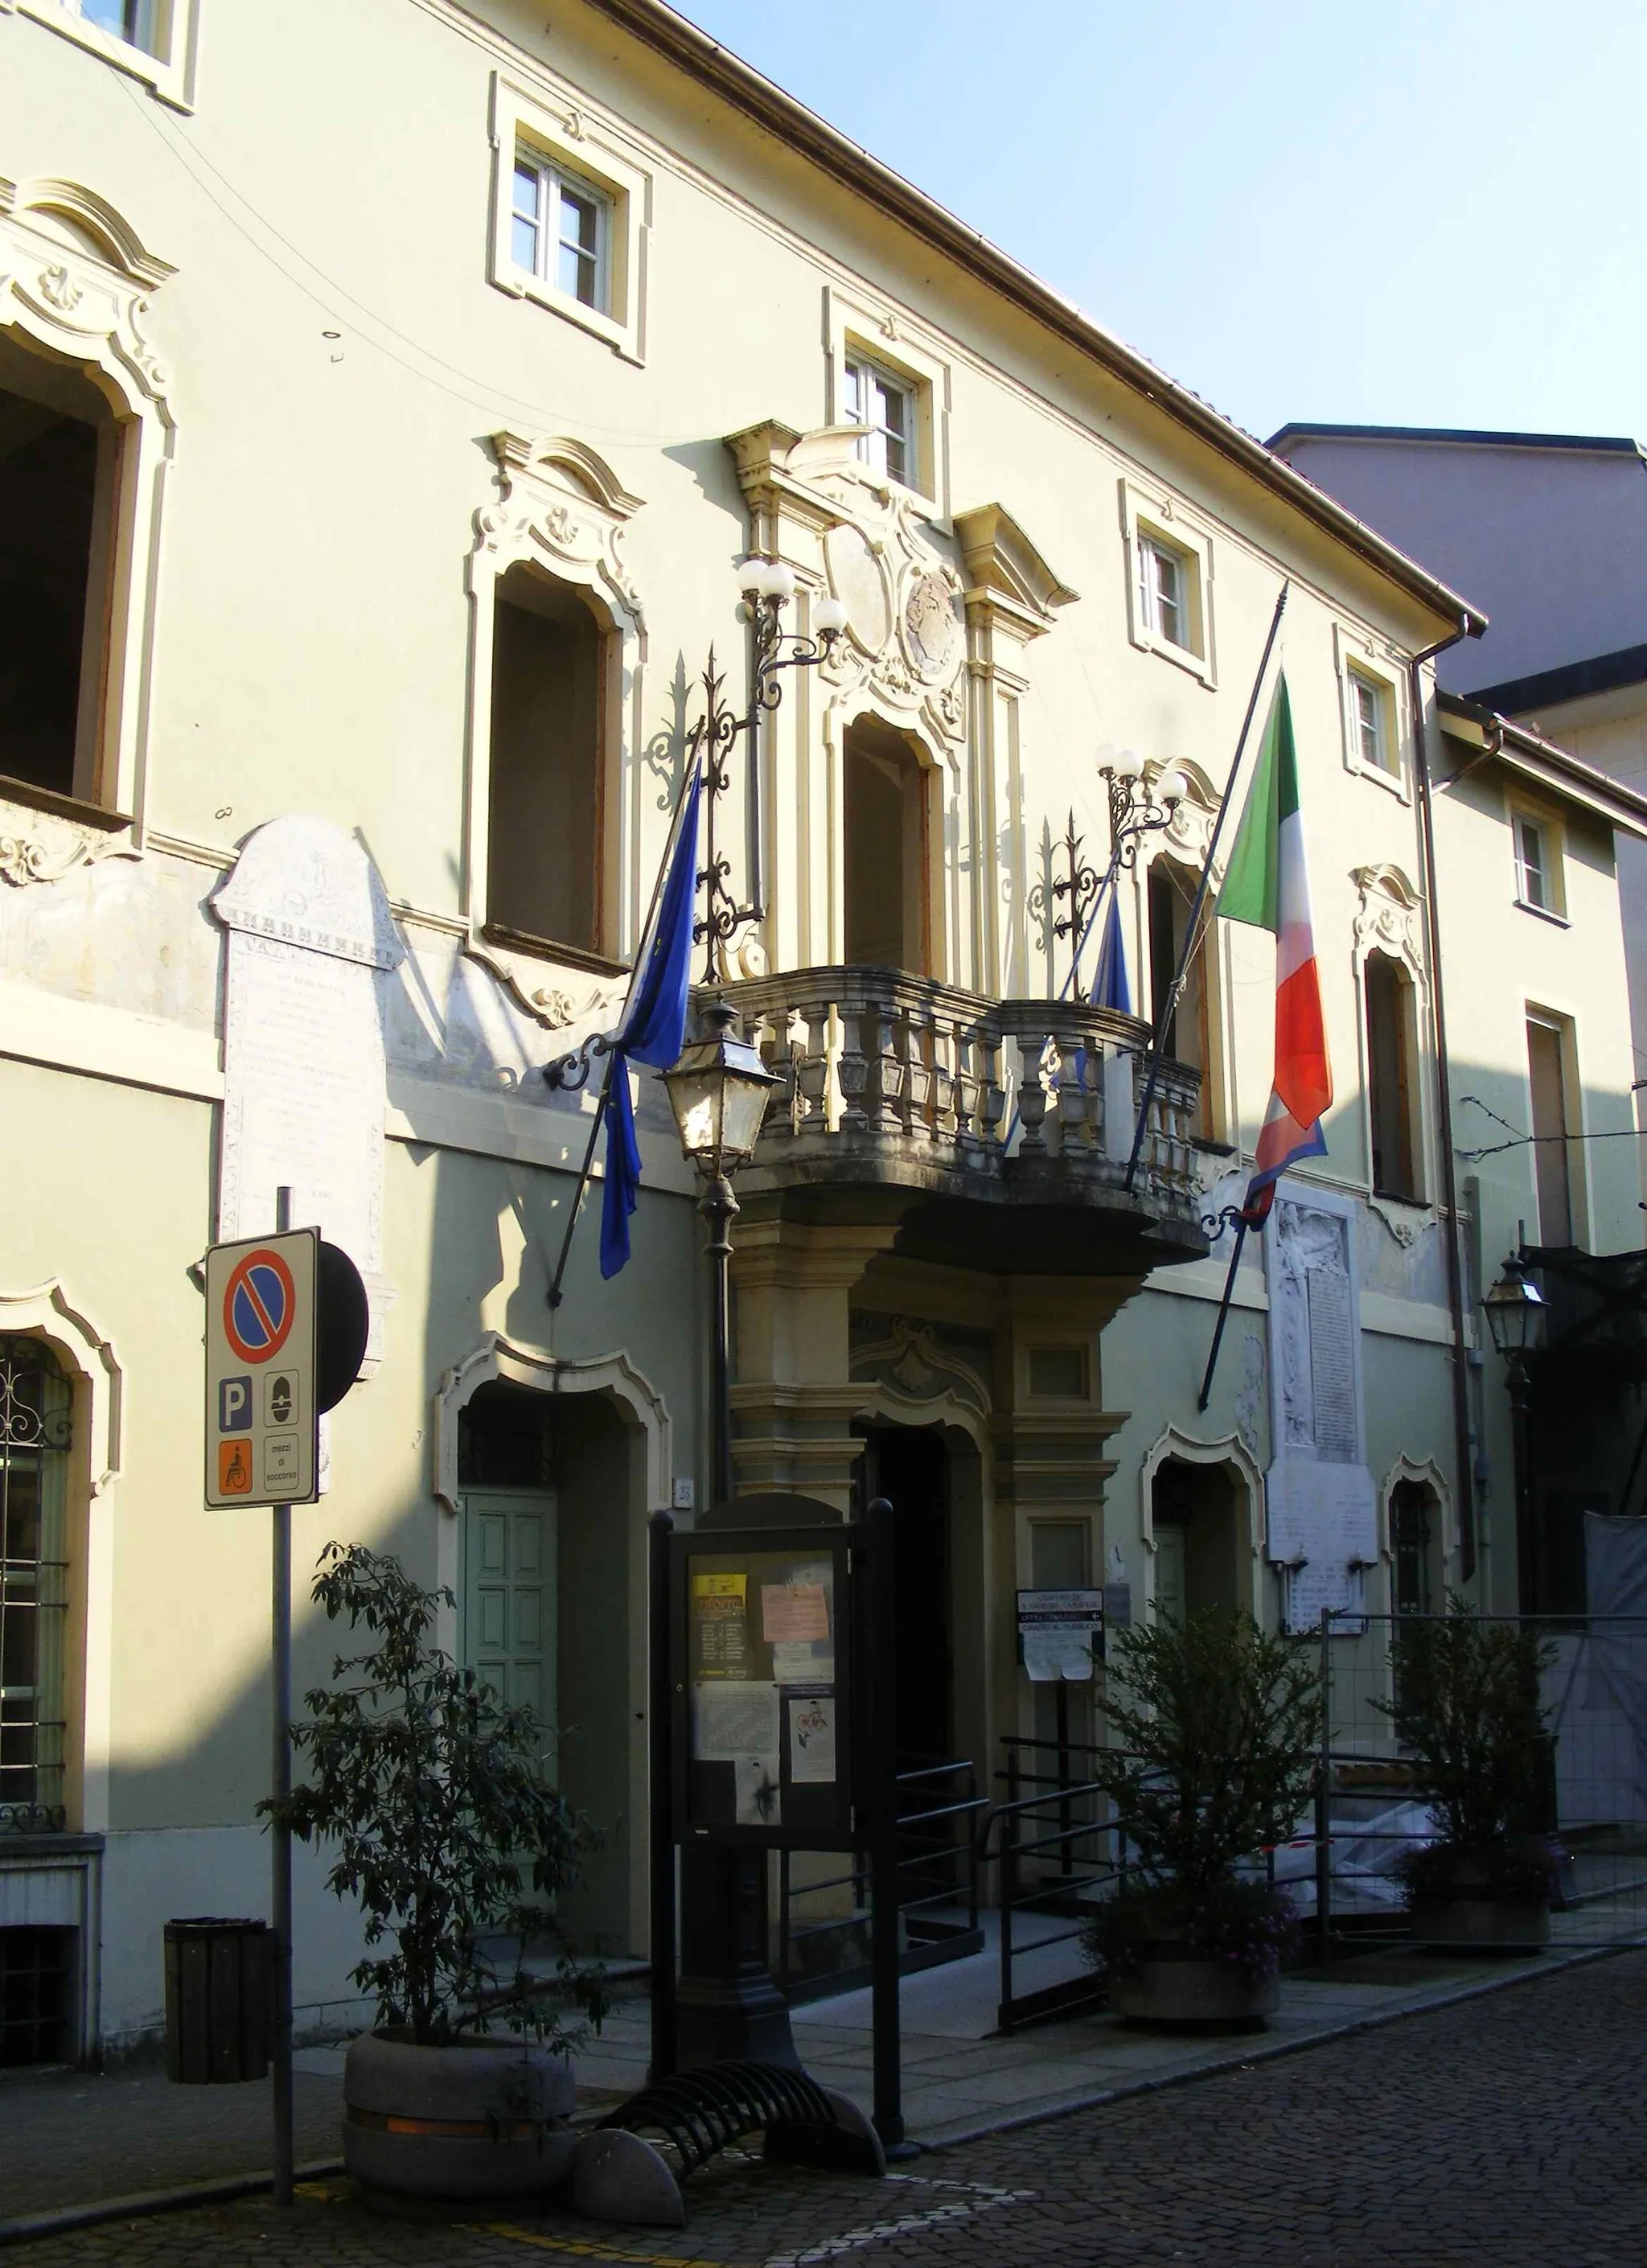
[1224, 1311]
[583, 1182]
[1169, 1009]
[557, 1073]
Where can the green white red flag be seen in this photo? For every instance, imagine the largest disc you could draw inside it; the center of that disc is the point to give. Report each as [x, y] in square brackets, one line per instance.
[1267, 885]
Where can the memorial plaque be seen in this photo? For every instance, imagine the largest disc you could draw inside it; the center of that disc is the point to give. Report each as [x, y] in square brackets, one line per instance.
[310, 937]
[1322, 1522]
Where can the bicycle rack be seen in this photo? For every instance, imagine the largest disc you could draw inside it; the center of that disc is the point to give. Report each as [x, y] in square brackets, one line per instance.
[700, 2111]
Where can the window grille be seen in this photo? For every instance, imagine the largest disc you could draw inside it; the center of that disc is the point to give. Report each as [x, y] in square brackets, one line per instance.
[36, 1979]
[35, 1425]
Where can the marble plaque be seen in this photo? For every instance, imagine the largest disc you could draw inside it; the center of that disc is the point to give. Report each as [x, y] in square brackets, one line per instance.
[1312, 1330]
[310, 937]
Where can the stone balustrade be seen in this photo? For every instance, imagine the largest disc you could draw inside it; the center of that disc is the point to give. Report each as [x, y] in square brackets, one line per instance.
[898, 1078]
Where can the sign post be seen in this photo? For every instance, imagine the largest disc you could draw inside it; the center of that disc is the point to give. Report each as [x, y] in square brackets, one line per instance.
[286, 1319]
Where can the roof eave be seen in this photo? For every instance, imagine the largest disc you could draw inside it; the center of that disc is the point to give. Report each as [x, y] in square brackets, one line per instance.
[1554, 769]
[738, 83]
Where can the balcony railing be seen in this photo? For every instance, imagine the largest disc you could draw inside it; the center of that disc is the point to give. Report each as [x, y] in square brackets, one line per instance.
[891, 1078]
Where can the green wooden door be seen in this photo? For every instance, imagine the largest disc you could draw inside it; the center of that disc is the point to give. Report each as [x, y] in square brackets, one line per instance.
[508, 1594]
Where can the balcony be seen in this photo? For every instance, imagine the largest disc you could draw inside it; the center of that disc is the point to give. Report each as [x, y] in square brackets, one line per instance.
[994, 1132]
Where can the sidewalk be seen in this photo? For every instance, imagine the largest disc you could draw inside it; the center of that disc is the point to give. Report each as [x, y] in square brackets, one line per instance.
[73, 2140]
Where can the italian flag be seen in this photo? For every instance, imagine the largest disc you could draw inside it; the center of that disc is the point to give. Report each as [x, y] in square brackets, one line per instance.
[1267, 886]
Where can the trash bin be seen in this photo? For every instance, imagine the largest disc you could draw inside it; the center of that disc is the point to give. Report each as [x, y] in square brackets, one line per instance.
[219, 1976]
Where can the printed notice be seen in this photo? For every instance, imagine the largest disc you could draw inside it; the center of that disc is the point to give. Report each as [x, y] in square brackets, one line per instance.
[804, 1661]
[734, 1719]
[760, 1800]
[1051, 1652]
[812, 1740]
[720, 1626]
[789, 1611]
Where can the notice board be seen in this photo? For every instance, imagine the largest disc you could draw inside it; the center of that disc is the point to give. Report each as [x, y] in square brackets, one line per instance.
[762, 1648]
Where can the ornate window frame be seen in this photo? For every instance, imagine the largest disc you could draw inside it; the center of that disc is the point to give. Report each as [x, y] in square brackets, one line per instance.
[568, 137]
[75, 280]
[1426, 1474]
[562, 509]
[97, 1379]
[1228, 1449]
[1390, 920]
[1185, 840]
[169, 73]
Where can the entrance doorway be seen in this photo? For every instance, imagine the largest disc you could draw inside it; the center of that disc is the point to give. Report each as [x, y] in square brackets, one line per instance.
[544, 1610]
[886, 795]
[909, 1466]
[1198, 1513]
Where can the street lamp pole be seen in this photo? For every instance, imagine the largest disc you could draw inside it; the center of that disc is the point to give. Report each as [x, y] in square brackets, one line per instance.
[727, 2006]
[1516, 1317]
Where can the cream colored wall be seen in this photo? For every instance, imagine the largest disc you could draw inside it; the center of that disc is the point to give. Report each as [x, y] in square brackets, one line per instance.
[313, 655]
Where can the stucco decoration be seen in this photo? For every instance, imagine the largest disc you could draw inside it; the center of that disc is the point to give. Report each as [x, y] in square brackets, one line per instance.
[497, 1357]
[561, 508]
[916, 1362]
[1390, 918]
[1187, 834]
[36, 848]
[564, 506]
[75, 282]
[905, 651]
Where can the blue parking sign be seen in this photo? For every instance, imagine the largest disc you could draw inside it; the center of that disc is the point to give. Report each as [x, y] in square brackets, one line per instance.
[234, 1405]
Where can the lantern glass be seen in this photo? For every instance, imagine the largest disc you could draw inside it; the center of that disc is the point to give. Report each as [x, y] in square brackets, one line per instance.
[1515, 1313]
[718, 1092]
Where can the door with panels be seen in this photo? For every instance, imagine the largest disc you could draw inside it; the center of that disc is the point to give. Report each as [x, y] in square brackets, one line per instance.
[509, 1596]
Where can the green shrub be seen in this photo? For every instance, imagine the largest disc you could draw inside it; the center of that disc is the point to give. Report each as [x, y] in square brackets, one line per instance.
[1467, 1706]
[433, 1790]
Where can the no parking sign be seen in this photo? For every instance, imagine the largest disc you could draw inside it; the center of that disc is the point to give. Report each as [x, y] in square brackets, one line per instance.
[262, 1407]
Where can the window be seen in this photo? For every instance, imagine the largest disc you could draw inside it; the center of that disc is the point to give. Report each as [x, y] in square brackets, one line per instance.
[887, 826]
[570, 217]
[545, 850]
[58, 467]
[1371, 734]
[1171, 894]
[1162, 600]
[1548, 1042]
[34, 1419]
[134, 21]
[151, 40]
[885, 406]
[1390, 1084]
[1538, 865]
[560, 231]
[1169, 573]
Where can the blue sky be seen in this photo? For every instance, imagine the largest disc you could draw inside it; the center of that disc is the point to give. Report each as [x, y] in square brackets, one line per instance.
[1417, 214]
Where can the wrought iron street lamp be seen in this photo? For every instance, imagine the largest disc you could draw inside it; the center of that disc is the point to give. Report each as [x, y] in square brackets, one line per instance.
[1518, 1318]
[727, 2005]
[718, 1091]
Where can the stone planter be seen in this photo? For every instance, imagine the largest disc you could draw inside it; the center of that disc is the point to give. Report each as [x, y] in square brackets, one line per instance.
[1171, 1987]
[1480, 1925]
[484, 2117]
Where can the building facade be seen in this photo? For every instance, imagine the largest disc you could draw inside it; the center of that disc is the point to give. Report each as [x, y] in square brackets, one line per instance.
[370, 497]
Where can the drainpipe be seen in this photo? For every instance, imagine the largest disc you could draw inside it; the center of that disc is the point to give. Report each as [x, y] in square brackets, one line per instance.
[1444, 1089]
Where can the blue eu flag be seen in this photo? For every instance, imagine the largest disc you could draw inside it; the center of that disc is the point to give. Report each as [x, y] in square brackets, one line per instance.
[654, 1024]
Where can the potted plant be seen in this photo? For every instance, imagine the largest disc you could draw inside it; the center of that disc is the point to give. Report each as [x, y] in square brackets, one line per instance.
[1216, 1735]
[433, 1790]
[1467, 1707]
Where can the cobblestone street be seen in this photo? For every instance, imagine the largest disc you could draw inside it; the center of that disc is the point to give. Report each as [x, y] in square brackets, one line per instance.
[1507, 2130]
